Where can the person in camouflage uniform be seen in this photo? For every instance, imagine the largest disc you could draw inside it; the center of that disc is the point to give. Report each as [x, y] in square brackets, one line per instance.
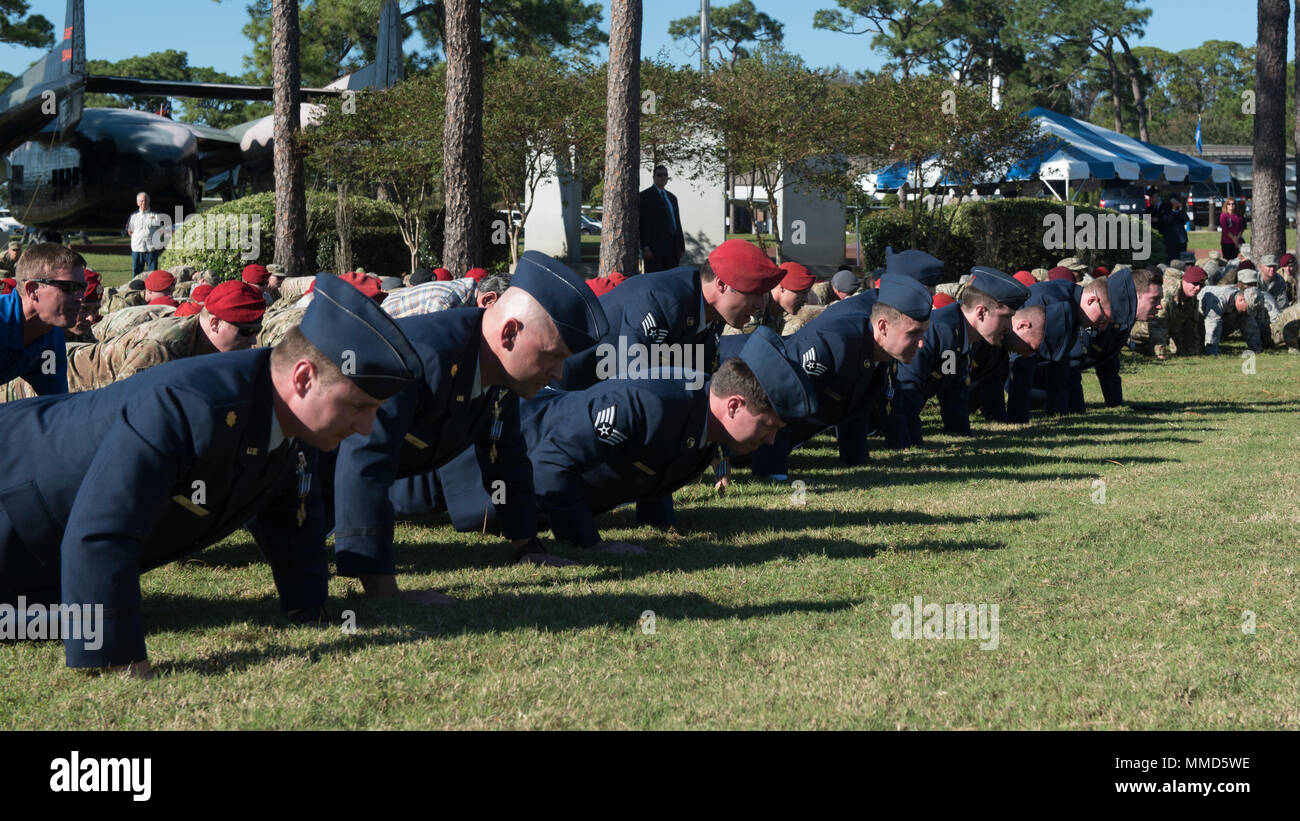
[125, 297]
[1228, 308]
[1286, 269]
[1286, 328]
[9, 259]
[1180, 311]
[785, 306]
[292, 289]
[121, 321]
[94, 365]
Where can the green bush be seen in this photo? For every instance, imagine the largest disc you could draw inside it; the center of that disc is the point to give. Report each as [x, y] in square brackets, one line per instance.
[1008, 234]
[377, 243]
[371, 218]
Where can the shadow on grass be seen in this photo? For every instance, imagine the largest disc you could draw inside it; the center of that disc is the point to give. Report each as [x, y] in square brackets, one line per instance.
[494, 613]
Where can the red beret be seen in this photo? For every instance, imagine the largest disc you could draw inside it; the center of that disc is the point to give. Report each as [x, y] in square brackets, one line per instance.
[1024, 278]
[941, 299]
[188, 309]
[1100, 271]
[1061, 272]
[255, 274]
[364, 283]
[159, 281]
[94, 288]
[796, 277]
[163, 300]
[601, 285]
[741, 265]
[617, 278]
[1286, 259]
[476, 274]
[442, 274]
[200, 292]
[236, 301]
[1194, 274]
[1245, 265]
[7, 285]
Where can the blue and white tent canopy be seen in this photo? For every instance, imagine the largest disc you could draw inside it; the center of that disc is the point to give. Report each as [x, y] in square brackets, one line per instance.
[1084, 152]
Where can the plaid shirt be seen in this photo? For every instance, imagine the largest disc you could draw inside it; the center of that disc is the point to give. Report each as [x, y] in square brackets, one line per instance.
[430, 297]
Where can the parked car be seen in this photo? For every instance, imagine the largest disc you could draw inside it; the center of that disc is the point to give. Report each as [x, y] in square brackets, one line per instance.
[8, 223]
[1127, 199]
[589, 225]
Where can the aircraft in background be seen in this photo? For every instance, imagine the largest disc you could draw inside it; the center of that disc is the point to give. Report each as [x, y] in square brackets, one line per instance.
[77, 168]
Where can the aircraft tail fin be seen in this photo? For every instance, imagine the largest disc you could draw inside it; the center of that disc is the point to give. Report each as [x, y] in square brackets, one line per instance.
[51, 90]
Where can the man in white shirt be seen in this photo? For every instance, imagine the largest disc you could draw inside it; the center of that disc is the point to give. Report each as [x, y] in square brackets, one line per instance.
[142, 226]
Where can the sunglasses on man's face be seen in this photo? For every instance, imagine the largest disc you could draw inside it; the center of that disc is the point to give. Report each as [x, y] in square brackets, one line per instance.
[247, 330]
[66, 286]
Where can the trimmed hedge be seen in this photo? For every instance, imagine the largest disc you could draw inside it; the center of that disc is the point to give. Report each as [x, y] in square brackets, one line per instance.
[376, 241]
[1008, 234]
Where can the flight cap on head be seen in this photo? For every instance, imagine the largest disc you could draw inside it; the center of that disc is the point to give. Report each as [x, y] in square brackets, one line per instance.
[565, 296]
[354, 333]
[905, 295]
[918, 265]
[1005, 289]
[787, 387]
[1123, 299]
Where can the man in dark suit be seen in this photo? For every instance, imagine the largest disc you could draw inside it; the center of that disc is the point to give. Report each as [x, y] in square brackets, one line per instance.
[190, 451]
[662, 244]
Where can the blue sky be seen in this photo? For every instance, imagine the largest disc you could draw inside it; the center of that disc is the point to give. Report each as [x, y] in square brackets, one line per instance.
[210, 31]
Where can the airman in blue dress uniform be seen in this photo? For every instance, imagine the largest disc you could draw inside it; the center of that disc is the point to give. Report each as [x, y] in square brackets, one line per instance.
[638, 440]
[191, 451]
[943, 364]
[477, 362]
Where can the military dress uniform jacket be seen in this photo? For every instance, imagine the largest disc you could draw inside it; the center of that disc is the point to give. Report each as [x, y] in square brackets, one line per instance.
[621, 441]
[422, 428]
[1100, 349]
[1050, 366]
[941, 366]
[665, 307]
[836, 349]
[183, 463]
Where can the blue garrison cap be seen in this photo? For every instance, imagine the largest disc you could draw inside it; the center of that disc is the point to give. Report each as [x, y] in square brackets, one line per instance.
[565, 297]
[786, 384]
[353, 332]
[918, 265]
[905, 295]
[1123, 299]
[1006, 289]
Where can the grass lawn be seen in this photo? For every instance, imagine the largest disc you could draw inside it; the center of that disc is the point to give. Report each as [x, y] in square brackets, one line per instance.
[1210, 239]
[1117, 610]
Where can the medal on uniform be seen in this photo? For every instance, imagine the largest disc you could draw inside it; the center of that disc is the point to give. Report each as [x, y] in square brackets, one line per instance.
[304, 487]
[495, 432]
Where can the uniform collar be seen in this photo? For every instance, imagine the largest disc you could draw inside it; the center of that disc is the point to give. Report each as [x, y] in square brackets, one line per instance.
[277, 433]
[477, 390]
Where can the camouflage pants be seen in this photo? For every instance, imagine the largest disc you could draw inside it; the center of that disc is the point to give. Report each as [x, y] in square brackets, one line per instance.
[1149, 337]
[1286, 328]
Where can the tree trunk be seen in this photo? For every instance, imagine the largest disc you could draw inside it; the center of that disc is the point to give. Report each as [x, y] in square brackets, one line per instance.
[1268, 232]
[343, 226]
[463, 138]
[290, 191]
[620, 236]
[1109, 54]
[1135, 85]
